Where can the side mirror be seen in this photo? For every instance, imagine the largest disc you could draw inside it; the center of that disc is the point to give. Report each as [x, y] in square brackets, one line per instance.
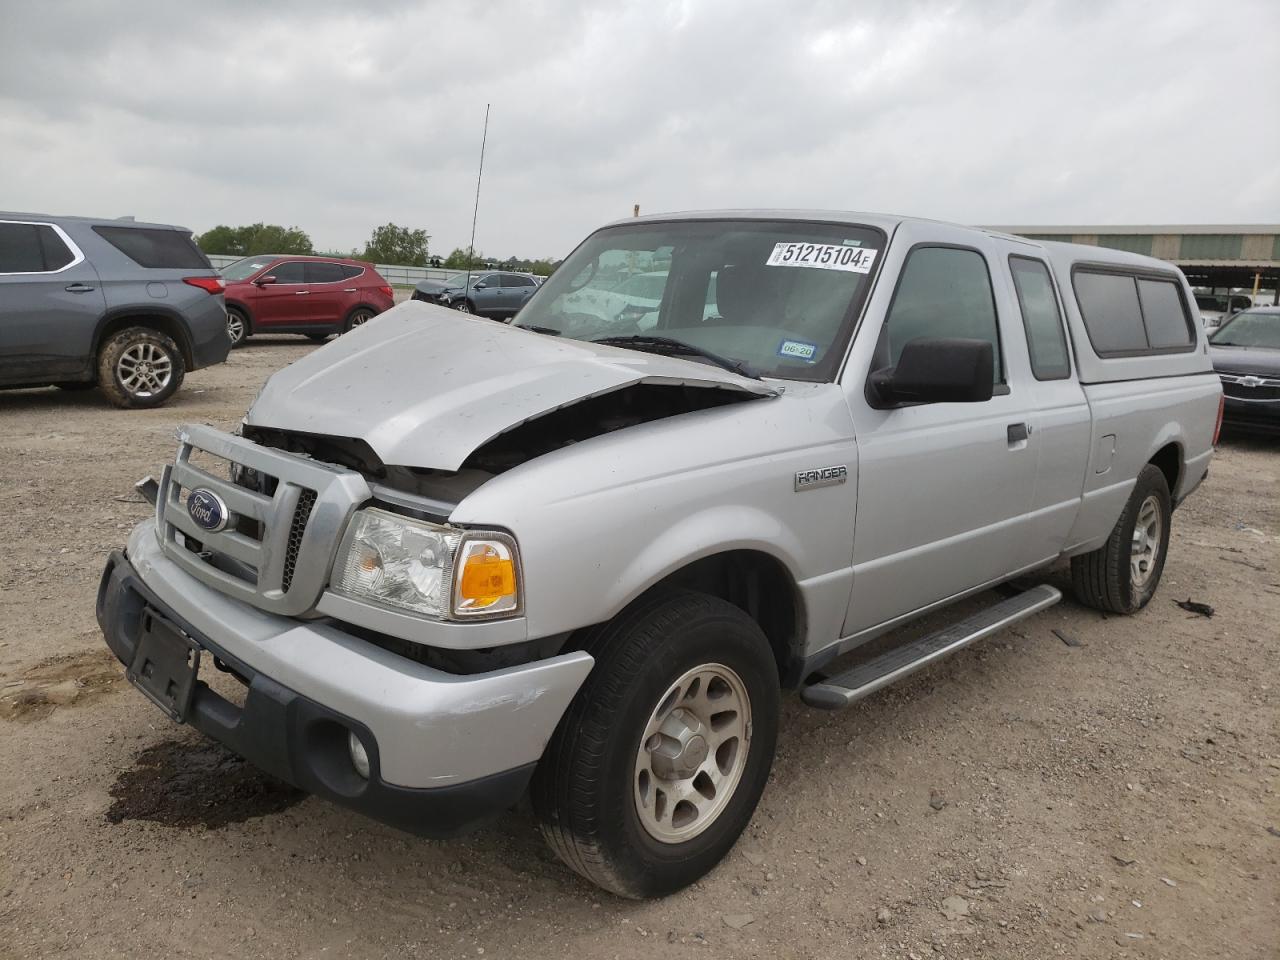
[263, 281]
[937, 370]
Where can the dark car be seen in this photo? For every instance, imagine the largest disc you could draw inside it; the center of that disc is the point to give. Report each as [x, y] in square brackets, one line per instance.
[129, 307]
[1246, 355]
[492, 293]
[316, 296]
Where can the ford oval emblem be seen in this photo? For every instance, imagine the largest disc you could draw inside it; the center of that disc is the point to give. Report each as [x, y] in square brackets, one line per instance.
[208, 510]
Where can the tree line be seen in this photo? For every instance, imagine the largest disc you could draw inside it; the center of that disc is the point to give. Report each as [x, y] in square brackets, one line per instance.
[388, 243]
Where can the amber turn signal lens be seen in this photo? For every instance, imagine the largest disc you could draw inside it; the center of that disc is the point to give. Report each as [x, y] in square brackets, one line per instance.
[486, 577]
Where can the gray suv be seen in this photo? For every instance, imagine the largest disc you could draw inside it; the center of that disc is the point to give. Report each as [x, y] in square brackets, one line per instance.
[493, 294]
[129, 307]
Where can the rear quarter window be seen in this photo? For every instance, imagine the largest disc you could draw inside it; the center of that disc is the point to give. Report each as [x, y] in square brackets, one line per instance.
[1168, 326]
[156, 248]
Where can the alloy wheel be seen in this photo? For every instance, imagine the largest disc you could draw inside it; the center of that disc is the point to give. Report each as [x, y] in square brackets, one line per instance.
[144, 369]
[692, 753]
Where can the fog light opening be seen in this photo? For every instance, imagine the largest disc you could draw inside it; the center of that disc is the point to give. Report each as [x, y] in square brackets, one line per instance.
[359, 756]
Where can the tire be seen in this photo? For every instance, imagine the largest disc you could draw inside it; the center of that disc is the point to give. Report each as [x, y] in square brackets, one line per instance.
[464, 306]
[140, 367]
[607, 807]
[238, 327]
[1114, 578]
[75, 386]
[357, 318]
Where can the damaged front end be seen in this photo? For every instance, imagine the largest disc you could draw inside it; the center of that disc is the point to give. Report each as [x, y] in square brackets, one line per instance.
[437, 407]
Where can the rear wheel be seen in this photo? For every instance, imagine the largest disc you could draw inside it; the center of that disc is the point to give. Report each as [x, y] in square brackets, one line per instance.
[140, 367]
[358, 317]
[1122, 575]
[658, 764]
[237, 326]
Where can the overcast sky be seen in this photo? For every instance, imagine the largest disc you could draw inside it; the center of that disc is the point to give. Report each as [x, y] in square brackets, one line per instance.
[338, 116]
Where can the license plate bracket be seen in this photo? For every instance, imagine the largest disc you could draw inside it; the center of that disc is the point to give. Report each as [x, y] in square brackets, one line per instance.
[165, 665]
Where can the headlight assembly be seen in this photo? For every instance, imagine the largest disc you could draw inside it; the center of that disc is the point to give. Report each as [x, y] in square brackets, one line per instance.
[427, 568]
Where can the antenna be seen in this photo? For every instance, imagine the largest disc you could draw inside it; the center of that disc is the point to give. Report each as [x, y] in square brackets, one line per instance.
[471, 250]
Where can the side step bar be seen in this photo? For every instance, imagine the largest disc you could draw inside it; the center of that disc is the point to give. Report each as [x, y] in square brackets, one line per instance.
[866, 678]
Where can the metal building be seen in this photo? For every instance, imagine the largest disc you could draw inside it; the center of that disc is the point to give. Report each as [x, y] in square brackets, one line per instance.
[1239, 258]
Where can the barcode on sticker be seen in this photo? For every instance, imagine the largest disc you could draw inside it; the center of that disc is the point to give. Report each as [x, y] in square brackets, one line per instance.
[822, 256]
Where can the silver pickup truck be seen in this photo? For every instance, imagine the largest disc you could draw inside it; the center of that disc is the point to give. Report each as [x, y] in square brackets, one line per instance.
[580, 555]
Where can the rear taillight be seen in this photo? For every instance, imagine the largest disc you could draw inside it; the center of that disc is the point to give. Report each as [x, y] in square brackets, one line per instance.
[207, 284]
[386, 291]
[1217, 427]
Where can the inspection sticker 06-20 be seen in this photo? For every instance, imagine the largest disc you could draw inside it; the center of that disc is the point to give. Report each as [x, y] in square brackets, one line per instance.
[823, 256]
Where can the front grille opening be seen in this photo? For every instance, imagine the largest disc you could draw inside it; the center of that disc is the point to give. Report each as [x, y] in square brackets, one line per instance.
[210, 463]
[1251, 393]
[306, 501]
[228, 565]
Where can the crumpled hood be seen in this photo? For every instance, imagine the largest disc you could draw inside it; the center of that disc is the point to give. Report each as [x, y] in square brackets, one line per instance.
[425, 386]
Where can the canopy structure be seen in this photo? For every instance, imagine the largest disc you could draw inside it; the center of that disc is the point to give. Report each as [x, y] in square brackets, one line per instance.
[1237, 256]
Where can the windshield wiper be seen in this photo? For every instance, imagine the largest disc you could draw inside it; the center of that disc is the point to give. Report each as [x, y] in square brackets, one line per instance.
[549, 331]
[671, 347]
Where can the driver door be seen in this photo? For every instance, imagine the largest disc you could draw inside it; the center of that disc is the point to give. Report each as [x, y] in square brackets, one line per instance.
[944, 489]
[282, 302]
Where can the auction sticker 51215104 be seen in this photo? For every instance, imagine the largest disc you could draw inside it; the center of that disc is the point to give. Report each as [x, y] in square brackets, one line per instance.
[823, 256]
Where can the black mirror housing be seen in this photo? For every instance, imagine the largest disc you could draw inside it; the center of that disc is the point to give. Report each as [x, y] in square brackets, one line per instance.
[938, 370]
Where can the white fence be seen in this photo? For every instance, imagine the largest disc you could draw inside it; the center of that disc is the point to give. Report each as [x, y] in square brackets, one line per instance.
[393, 274]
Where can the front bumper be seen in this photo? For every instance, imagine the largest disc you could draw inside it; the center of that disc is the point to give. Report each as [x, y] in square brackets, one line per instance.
[1258, 414]
[445, 751]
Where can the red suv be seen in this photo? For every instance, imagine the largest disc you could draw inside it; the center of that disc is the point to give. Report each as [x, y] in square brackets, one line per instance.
[316, 296]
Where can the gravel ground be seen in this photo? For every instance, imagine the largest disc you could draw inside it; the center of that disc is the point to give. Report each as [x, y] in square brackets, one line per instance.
[1027, 798]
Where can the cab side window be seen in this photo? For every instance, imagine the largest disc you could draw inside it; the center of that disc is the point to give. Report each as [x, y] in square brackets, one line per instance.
[1041, 318]
[292, 272]
[942, 292]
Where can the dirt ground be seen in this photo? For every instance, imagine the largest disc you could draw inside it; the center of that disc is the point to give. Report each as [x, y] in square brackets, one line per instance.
[1027, 798]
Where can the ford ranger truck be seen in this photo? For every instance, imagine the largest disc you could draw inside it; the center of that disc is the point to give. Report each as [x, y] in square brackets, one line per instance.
[581, 555]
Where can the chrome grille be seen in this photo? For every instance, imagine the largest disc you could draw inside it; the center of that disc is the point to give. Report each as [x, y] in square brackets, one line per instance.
[279, 560]
[1244, 386]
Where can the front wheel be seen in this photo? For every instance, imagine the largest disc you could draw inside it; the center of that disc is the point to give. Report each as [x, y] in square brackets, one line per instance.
[463, 306]
[657, 766]
[1121, 576]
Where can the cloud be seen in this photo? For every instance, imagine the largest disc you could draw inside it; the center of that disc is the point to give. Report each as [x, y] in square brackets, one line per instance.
[337, 117]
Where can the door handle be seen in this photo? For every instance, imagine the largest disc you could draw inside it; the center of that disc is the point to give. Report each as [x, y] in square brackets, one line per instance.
[349, 290]
[301, 293]
[1018, 432]
[78, 288]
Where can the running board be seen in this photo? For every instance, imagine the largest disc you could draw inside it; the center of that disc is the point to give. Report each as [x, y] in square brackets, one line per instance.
[864, 679]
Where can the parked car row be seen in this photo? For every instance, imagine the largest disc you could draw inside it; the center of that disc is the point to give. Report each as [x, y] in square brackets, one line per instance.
[494, 294]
